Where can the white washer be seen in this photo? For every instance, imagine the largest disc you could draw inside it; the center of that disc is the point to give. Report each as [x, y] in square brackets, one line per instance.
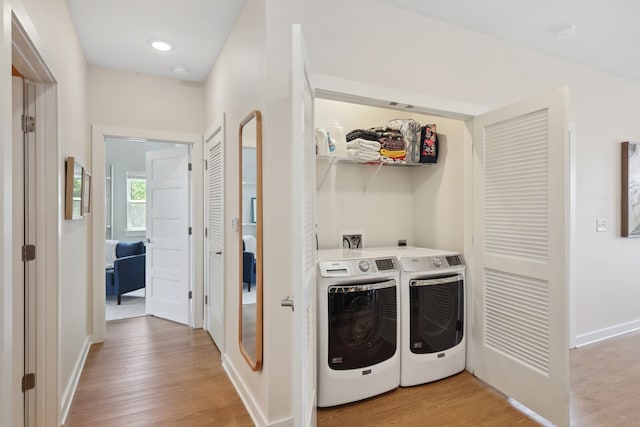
[433, 322]
[358, 325]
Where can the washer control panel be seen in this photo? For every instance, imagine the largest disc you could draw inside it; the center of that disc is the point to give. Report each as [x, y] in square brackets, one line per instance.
[357, 267]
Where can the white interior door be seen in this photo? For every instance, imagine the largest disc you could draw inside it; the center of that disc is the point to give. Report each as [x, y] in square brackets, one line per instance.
[304, 242]
[214, 265]
[24, 265]
[520, 234]
[168, 234]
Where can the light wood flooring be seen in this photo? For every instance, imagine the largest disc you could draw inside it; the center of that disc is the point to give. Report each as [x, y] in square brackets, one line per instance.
[151, 372]
[605, 383]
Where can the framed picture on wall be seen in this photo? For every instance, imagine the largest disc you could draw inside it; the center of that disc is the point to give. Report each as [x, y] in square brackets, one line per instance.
[86, 193]
[630, 189]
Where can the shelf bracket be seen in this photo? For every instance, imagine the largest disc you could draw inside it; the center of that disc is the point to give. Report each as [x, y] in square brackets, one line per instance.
[326, 172]
[372, 178]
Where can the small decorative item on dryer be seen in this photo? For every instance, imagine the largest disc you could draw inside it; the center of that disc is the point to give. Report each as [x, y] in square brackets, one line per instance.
[429, 144]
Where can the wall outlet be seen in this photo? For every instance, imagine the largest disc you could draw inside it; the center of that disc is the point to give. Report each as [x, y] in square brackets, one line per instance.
[601, 225]
[352, 241]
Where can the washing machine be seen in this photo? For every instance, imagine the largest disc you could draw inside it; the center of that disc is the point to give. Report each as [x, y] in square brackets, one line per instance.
[358, 325]
[432, 301]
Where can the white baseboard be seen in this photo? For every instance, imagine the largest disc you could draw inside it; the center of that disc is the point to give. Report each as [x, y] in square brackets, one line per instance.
[250, 404]
[285, 422]
[70, 389]
[606, 333]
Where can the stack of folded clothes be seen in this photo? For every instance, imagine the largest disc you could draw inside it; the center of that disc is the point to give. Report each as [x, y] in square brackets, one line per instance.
[393, 145]
[363, 145]
[401, 141]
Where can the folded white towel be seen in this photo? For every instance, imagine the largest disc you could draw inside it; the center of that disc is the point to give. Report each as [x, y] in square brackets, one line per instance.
[363, 144]
[367, 155]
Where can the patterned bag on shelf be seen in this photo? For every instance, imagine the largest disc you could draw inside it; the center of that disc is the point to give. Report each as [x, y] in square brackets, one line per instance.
[429, 144]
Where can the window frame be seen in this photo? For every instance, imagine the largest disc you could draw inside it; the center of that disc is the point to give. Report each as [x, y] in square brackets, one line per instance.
[129, 177]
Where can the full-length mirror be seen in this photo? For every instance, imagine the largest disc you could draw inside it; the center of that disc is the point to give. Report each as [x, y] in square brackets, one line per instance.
[250, 326]
[73, 189]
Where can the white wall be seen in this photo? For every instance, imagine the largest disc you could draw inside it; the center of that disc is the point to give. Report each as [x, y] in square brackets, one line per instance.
[134, 100]
[414, 203]
[6, 252]
[149, 105]
[443, 60]
[49, 26]
[235, 87]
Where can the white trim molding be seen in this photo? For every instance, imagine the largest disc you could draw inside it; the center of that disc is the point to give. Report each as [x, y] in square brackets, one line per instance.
[70, 389]
[606, 333]
[250, 404]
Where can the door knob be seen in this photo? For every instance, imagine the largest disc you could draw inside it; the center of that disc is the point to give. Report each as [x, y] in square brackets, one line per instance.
[288, 302]
[148, 240]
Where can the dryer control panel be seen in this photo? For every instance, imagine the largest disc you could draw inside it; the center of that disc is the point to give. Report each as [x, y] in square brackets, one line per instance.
[357, 267]
[431, 263]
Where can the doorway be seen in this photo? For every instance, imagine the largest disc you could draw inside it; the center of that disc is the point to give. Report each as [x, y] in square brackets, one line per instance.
[193, 294]
[32, 212]
[126, 224]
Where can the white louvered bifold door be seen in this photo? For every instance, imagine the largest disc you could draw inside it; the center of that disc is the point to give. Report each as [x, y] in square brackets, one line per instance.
[520, 341]
[215, 237]
[304, 237]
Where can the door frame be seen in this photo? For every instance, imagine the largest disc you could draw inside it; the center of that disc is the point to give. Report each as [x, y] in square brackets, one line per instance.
[31, 56]
[98, 134]
[219, 127]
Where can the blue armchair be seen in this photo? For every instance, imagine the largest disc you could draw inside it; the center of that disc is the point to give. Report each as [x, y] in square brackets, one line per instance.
[248, 268]
[128, 272]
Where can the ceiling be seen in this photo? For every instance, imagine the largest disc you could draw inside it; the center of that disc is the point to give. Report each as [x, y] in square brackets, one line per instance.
[117, 33]
[606, 32]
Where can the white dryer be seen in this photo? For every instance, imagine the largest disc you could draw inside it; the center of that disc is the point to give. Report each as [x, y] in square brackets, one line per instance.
[433, 325]
[358, 326]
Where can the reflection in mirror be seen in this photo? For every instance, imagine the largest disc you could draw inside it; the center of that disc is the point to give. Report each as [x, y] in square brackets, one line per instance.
[250, 326]
[73, 189]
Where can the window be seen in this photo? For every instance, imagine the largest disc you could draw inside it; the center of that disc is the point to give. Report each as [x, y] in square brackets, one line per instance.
[136, 201]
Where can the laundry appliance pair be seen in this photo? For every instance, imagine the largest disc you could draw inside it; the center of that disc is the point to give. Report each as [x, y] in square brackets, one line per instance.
[387, 317]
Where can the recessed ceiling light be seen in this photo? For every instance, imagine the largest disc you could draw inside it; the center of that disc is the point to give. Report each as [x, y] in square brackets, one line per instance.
[566, 33]
[180, 70]
[160, 45]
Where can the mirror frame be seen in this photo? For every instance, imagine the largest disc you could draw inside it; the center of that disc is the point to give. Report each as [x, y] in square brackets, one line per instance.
[256, 364]
[71, 167]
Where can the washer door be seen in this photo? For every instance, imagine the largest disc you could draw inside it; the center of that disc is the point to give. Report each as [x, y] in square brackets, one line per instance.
[437, 313]
[362, 324]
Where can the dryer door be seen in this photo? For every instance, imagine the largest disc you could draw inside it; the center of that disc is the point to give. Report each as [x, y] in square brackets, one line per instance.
[363, 322]
[436, 313]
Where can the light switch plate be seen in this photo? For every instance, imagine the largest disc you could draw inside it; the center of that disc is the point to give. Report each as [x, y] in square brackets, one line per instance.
[601, 225]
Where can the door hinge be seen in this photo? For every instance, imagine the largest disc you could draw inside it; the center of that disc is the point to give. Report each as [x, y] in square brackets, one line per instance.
[28, 382]
[206, 299]
[28, 253]
[206, 232]
[190, 231]
[190, 166]
[206, 165]
[28, 123]
[190, 294]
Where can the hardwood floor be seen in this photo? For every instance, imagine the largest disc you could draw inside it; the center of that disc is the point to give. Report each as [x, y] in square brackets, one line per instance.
[605, 383]
[461, 400]
[152, 372]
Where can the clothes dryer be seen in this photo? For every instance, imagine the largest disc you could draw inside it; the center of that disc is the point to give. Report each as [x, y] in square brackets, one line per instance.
[432, 302]
[358, 326]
